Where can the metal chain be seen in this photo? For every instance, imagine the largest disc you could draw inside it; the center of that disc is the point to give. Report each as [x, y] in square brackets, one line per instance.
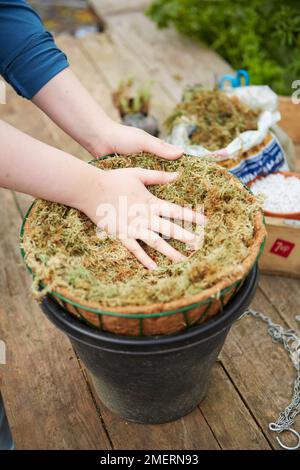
[291, 343]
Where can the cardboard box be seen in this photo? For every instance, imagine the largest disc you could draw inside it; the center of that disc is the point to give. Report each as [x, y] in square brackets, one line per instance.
[290, 116]
[282, 249]
[281, 254]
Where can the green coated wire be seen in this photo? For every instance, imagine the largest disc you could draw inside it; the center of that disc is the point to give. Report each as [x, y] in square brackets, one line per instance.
[141, 316]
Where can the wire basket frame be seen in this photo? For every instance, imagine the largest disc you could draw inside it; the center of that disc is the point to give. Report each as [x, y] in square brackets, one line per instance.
[141, 324]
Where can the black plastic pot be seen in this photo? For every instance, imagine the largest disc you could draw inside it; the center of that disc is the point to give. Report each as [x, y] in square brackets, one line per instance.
[142, 121]
[152, 379]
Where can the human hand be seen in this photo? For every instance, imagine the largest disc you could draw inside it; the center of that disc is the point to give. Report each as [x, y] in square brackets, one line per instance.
[117, 138]
[118, 202]
[75, 111]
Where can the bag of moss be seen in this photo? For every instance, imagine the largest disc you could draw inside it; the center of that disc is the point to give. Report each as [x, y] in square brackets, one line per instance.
[236, 126]
[99, 281]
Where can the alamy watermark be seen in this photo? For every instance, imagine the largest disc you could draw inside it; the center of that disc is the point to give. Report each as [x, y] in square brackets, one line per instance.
[2, 92]
[144, 221]
[296, 93]
[2, 352]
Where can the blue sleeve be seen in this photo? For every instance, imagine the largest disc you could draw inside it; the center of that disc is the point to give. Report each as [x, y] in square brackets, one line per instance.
[29, 57]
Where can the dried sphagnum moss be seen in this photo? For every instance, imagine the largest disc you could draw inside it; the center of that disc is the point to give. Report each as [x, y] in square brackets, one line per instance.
[63, 250]
[218, 118]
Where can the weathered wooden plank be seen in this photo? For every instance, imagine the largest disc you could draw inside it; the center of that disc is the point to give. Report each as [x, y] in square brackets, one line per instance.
[72, 403]
[39, 126]
[88, 72]
[101, 45]
[115, 62]
[260, 369]
[222, 424]
[297, 160]
[103, 8]
[284, 294]
[167, 55]
[190, 432]
[228, 417]
[47, 399]
[217, 424]
[25, 116]
[12, 112]
[28, 118]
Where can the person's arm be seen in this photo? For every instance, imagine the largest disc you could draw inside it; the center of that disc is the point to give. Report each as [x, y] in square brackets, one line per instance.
[31, 62]
[71, 107]
[29, 57]
[38, 70]
[32, 167]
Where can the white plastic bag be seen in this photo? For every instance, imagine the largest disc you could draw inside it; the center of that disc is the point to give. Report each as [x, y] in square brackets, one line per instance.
[261, 151]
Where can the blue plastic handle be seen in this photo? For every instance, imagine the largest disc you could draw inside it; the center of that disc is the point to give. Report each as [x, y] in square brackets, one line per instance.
[241, 77]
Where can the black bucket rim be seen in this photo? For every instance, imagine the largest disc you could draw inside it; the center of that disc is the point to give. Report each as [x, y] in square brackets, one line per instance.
[113, 342]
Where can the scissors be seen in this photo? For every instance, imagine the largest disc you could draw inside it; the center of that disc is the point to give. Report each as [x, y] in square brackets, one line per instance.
[241, 78]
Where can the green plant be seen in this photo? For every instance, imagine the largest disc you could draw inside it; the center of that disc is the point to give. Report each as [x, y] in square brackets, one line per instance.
[262, 37]
[128, 102]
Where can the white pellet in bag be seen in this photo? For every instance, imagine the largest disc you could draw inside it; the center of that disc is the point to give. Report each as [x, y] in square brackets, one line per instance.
[281, 193]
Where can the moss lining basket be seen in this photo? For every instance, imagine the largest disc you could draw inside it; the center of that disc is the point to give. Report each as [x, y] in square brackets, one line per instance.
[100, 283]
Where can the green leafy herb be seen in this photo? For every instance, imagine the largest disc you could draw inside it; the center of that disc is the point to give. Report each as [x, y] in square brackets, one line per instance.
[262, 37]
[128, 102]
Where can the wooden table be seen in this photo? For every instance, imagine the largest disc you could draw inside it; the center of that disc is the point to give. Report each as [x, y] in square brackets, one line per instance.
[49, 399]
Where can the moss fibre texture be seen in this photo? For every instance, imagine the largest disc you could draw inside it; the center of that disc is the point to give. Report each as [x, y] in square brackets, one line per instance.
[64, 251]
[218, 118]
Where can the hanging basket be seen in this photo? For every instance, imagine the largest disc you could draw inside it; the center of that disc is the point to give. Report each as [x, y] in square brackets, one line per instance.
[157, 318]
